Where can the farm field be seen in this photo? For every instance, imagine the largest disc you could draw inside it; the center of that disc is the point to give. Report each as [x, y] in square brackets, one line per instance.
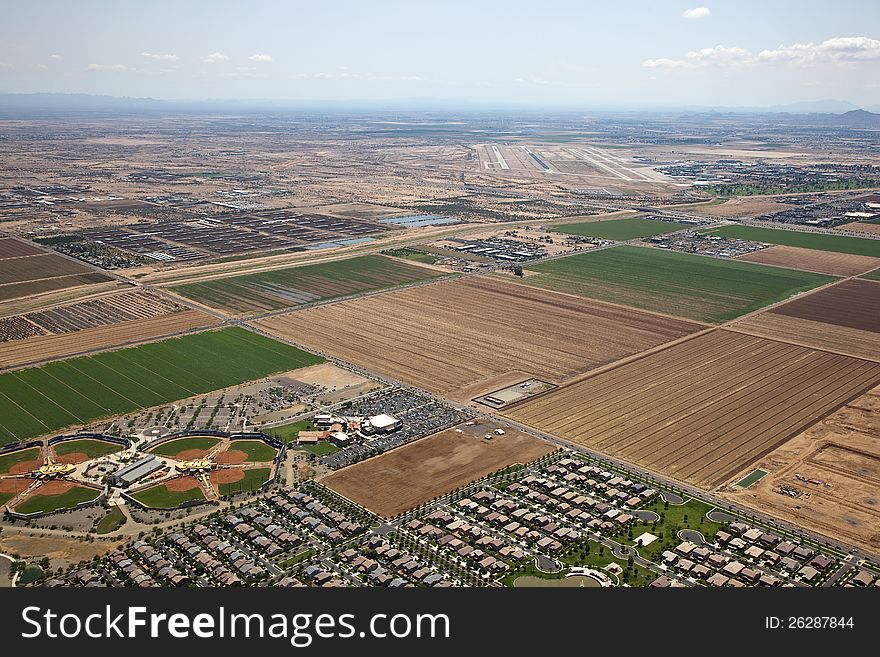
[403, 478]
[869, 228]
[452, 335]
[292, 286]
[39, 348]
[619, 229]
[819, 241]
[10, 291]
[823, 262]
[843, 450]
[13, 248]
[38, 400]
[873, 275]
[170, 495]
[843, 318]
[191, 447]
[55, 495]
[692, 286]
[77, 451]
[703, 409]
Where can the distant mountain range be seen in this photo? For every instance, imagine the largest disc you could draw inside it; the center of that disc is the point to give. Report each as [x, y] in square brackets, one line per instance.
[821, 112]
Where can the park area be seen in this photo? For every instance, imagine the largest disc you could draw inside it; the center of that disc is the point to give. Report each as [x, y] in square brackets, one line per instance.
[680, 284]
[293, 286]
[39, 400]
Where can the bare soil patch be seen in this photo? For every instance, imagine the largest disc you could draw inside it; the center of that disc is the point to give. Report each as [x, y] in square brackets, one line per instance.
[181, 484]
[823, 262]
[227, 476]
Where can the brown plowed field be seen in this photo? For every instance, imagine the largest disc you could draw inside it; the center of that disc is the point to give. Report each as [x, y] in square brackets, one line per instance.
[46, 347]
[446, 336]
[818, 335]
[403, 478]
[824, 262]
[13, 248]
[842, 451]
[859, 227]
[10, 291]
[704, 408]
[35, 267]
[853, 304]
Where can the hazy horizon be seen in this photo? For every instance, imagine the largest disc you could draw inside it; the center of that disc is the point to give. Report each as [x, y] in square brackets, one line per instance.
[638, 55]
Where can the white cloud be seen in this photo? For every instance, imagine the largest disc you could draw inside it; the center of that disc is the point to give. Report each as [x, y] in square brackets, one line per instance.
[56, 58]
[106, 67]
[664, 63]
[215, 57]
[720, 55]
[838, 49]
[260, 58]
[162, 58]
[5, 65]
[696, 13]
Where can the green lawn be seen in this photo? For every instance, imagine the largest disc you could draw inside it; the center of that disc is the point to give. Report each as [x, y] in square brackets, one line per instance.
[323, 448]
[817, 241]
[40, 400]
[289, 432]
[159, 497]
[619, 229]
[111, 522]
[90, 447]
[752, 478]
[690, 515]
[691, 286]
[174, 447]
[411, 254]
[253, 479]
[292, 286]
[5, 497]
[21, 456]
[66, 500]
[257, 451]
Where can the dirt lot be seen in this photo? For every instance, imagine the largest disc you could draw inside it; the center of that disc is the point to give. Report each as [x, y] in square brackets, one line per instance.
[62, 552]
[858, 227]
[841, 455]
[47, 347]
[704, 408]
[747, 206]
[853, 304]
[446, 336]
[405, 477]
[824, 262]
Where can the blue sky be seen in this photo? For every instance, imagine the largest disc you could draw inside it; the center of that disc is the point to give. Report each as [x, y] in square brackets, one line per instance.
[584, 54]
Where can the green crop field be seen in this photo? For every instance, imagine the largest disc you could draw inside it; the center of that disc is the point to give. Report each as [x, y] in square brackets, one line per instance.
[159, 497]
[91, 448]
[873, 275]
[619, 229]
[253, 479]
[411, 254]
[691, 286]
[8, 460]
[292, 286]
[257, 451]
[816, 241]
[65, 500]
[39, 400]
[175, 447]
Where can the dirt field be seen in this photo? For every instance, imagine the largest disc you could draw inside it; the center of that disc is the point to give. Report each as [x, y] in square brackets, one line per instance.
[854, 304]
[841, 455]
[14, 485]
[747, 206]
[181, 484]
[62, 552]
[405, 477]
[47, 347]
[13, 248]
[231, 457]
[449, 335]
[191, 455]
[704, 408]
[824, 262]
[228, 476]
[818, 335]
[54, 488]
[858, 227]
